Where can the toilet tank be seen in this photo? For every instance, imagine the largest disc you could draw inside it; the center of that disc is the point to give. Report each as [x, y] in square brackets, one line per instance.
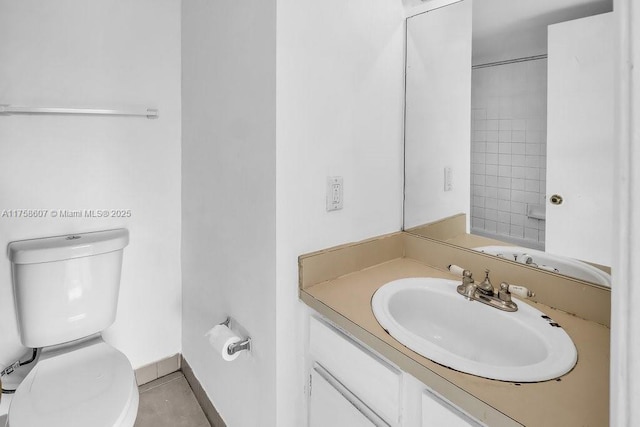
[66, 287]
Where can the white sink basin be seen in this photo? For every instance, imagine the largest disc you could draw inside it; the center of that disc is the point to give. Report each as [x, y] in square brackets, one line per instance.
[560, 264]
[428, 316]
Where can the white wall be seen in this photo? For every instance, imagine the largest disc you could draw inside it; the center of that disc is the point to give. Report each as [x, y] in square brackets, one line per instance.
[625, 299]
[438, 113]
[228, 203]
[340, 98]
[75, 53]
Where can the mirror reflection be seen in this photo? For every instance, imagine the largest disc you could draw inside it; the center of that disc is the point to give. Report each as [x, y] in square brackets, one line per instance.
[524, 151]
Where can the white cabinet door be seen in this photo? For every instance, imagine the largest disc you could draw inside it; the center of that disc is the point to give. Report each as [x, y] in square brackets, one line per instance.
[436, 412]
[580, 139]
[375, 382]
[332, 405]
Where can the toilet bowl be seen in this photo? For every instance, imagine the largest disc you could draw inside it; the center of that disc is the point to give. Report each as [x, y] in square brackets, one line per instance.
[86, 383]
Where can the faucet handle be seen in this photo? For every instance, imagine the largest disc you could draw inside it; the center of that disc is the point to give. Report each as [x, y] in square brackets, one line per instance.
[457, 270]
[518, 290]
[503, 294]
[485, 286]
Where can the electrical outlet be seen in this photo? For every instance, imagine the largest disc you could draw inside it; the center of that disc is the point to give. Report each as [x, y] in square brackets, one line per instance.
[448, 177]
[334, 193]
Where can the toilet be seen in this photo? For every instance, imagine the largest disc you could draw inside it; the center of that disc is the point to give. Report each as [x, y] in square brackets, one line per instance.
[66, 293]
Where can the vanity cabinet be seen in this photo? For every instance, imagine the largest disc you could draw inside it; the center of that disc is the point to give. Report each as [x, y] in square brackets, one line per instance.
[350, 385]
[332, 404]
[437, 412]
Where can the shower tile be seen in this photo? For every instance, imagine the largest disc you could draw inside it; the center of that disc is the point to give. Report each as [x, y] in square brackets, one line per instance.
[518, 208]
[517, 172]
[533, 149]
[491, 226]
[504, 125]
[503, 228]
[504, 148]
[479, 124]
[478, 168]
[491, 214]
[478, 190]
[478, 157]
[478, 179]
[516, 231]
[479, 135]
[518, 148]
[477, 223]
[532, 173]
[490, 203]
[492, 147]
[517, 219]
[532, 223]
[504, 136]
[532, 185]
[531, 233]
[480, 147]
[532, 161]
[504, 218]
[518, 160]
[504, 182]
[519, 124]
[493, 112]
[532, 197]
[479, 114]
[518, 136]
[504, 171]
[517, 195]
[535, 136]
[478, 201]
[517, 184]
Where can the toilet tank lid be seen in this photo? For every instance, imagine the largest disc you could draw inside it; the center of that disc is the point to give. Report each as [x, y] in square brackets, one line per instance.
[59, 248]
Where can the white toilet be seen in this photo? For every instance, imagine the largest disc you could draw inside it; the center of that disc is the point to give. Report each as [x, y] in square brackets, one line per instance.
[66, 294]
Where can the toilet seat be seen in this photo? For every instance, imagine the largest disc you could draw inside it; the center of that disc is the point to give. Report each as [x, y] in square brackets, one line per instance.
[89, 385]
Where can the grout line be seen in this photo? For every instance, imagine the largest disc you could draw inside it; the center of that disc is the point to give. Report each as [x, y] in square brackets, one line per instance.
[160, 383]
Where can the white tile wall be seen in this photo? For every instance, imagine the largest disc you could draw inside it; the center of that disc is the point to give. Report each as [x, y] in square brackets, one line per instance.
[508, 149]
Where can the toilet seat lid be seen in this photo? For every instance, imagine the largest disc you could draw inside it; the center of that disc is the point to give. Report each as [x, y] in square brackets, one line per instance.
[89, 386]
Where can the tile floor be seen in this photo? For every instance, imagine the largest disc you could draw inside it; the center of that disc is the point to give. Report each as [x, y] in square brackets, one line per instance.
[169, 401]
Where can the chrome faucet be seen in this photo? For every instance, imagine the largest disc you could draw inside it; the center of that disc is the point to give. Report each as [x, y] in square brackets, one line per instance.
[485, 293]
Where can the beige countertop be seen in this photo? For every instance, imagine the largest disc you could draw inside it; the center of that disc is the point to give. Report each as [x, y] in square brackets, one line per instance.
[579, 398]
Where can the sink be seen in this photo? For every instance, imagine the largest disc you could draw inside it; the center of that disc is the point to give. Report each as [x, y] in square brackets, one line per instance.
[560, 264]
[428, 316]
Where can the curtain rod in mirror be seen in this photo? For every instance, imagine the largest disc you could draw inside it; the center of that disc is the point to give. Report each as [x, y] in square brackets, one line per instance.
[510, 61]
[150, 113]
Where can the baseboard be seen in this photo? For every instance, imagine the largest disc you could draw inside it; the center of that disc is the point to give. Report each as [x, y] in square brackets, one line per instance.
[155, 370]
[207, 406]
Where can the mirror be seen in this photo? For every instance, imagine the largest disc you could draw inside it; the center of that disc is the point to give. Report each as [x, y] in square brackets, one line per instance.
[509, 131]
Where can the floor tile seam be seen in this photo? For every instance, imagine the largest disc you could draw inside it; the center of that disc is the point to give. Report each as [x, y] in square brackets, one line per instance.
[153, 387]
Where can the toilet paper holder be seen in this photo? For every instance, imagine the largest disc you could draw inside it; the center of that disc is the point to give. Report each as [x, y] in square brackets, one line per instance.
[237, 346]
